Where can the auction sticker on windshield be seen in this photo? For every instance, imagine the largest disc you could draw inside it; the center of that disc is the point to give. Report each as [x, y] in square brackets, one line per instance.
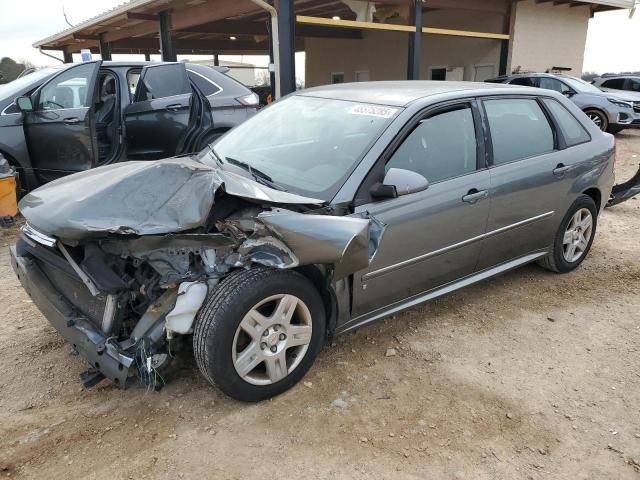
[373, 111]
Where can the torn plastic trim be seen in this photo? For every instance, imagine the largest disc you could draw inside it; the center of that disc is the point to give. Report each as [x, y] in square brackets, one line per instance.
[624, 191]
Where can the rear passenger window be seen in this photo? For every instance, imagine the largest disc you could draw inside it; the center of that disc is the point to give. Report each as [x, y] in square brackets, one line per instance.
[163, 81]
[616, 83]
[440, 147]
[519, 129]
[572, 131]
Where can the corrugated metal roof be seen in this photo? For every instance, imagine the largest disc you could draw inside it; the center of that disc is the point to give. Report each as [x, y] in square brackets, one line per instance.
[109, 14]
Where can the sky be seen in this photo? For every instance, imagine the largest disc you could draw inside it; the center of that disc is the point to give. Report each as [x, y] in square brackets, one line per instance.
[613, 39]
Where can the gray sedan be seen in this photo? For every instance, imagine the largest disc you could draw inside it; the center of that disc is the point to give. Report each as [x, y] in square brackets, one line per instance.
[380, 196]
[610, 111]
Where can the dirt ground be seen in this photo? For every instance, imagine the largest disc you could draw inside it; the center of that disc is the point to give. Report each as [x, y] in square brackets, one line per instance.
[530, 375]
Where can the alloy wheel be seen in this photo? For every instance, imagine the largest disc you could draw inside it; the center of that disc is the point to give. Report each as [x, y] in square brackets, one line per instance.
[577, 235]
[272, 339]
[595, 118]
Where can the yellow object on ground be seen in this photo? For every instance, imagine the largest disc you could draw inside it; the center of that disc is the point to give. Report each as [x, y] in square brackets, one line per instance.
[8, 199]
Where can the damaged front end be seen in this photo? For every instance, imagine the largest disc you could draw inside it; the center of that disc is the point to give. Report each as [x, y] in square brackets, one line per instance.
[624, 191]
[120, 259]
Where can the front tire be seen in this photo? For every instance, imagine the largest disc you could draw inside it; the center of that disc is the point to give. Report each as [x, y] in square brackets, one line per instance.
[574, 237]
[259, 332]
[599, 118]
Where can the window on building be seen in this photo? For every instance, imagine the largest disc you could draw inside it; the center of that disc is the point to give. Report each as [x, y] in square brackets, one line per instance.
[519, 129]
[362, 76]
[440, 147]
[337, 77]
[438, 74]
[572, 131]
[616, 83]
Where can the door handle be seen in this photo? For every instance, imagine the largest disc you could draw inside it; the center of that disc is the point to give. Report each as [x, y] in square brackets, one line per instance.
[560, 169]
[71, 120]
[474, 195]
[173, 107]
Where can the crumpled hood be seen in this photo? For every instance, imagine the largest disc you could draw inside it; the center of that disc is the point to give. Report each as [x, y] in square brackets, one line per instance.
[139, 198]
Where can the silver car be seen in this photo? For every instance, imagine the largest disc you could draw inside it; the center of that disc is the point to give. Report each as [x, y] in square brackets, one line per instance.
[610, 111]
[328, 210]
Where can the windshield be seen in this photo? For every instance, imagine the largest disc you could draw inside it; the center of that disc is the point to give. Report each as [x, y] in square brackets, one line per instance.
[13, 89]
[304, 145]
[581, 85]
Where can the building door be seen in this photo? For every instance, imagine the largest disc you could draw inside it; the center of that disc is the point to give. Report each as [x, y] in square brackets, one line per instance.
[483, 72]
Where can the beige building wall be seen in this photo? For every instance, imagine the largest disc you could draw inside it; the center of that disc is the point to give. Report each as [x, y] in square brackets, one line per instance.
[545, 35]
[384, 54]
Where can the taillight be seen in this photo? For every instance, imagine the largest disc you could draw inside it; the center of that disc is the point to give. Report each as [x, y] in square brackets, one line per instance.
[250, 100]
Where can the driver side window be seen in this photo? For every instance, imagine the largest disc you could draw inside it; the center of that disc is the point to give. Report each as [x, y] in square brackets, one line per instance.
[442, 146]
[67, 90]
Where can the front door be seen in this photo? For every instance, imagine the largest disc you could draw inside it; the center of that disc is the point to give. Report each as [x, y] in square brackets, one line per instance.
[433, 237]
[157, 122]
[60, 131]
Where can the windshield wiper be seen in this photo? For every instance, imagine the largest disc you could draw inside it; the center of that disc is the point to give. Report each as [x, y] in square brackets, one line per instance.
[258, 176]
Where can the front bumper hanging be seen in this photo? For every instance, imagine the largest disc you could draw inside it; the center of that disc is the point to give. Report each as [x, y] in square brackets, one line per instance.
[624, 191]
[103, 355]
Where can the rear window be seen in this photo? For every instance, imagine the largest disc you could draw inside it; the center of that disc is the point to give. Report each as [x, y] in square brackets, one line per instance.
[163, 81]
[519, 129]
[572, 131]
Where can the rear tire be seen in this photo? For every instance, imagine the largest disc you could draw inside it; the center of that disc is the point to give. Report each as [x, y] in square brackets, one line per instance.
[599, 118]
[569, 247]
[259, 332]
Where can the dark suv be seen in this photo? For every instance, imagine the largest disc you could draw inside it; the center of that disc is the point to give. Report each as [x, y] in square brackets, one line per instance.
[70, 118]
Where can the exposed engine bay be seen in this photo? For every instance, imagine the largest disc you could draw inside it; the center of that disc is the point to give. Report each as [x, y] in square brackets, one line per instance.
[123, 257]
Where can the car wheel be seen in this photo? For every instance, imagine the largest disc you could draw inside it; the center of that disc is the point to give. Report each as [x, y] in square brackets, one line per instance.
[599, 118]
[259, 332]
[573, 240]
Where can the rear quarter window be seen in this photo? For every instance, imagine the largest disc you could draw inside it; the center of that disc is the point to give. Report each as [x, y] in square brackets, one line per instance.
[519, 129]
[205, 84]
[572, 130]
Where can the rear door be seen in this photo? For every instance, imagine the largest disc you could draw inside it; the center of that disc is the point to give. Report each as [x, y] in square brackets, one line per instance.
[60, 131]
[158, 120]
[530, 178]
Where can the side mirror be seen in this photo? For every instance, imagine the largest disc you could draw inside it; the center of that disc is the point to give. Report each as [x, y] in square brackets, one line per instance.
[405, 181]
[569, 93]
[24, 104]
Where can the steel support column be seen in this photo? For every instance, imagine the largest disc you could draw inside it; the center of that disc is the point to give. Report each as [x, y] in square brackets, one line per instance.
[167, 46]
[415, 42]
[105, 49]
[504, 44]
[286, 46]
[67, 56]
[147, 57]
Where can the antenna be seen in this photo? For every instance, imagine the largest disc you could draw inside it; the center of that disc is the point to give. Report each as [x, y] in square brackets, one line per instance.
[65, 17]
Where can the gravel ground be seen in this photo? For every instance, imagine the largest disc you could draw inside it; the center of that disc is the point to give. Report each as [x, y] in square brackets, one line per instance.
[530, 375]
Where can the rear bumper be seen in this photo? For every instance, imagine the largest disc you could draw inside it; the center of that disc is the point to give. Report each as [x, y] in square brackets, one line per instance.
[90, 342]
